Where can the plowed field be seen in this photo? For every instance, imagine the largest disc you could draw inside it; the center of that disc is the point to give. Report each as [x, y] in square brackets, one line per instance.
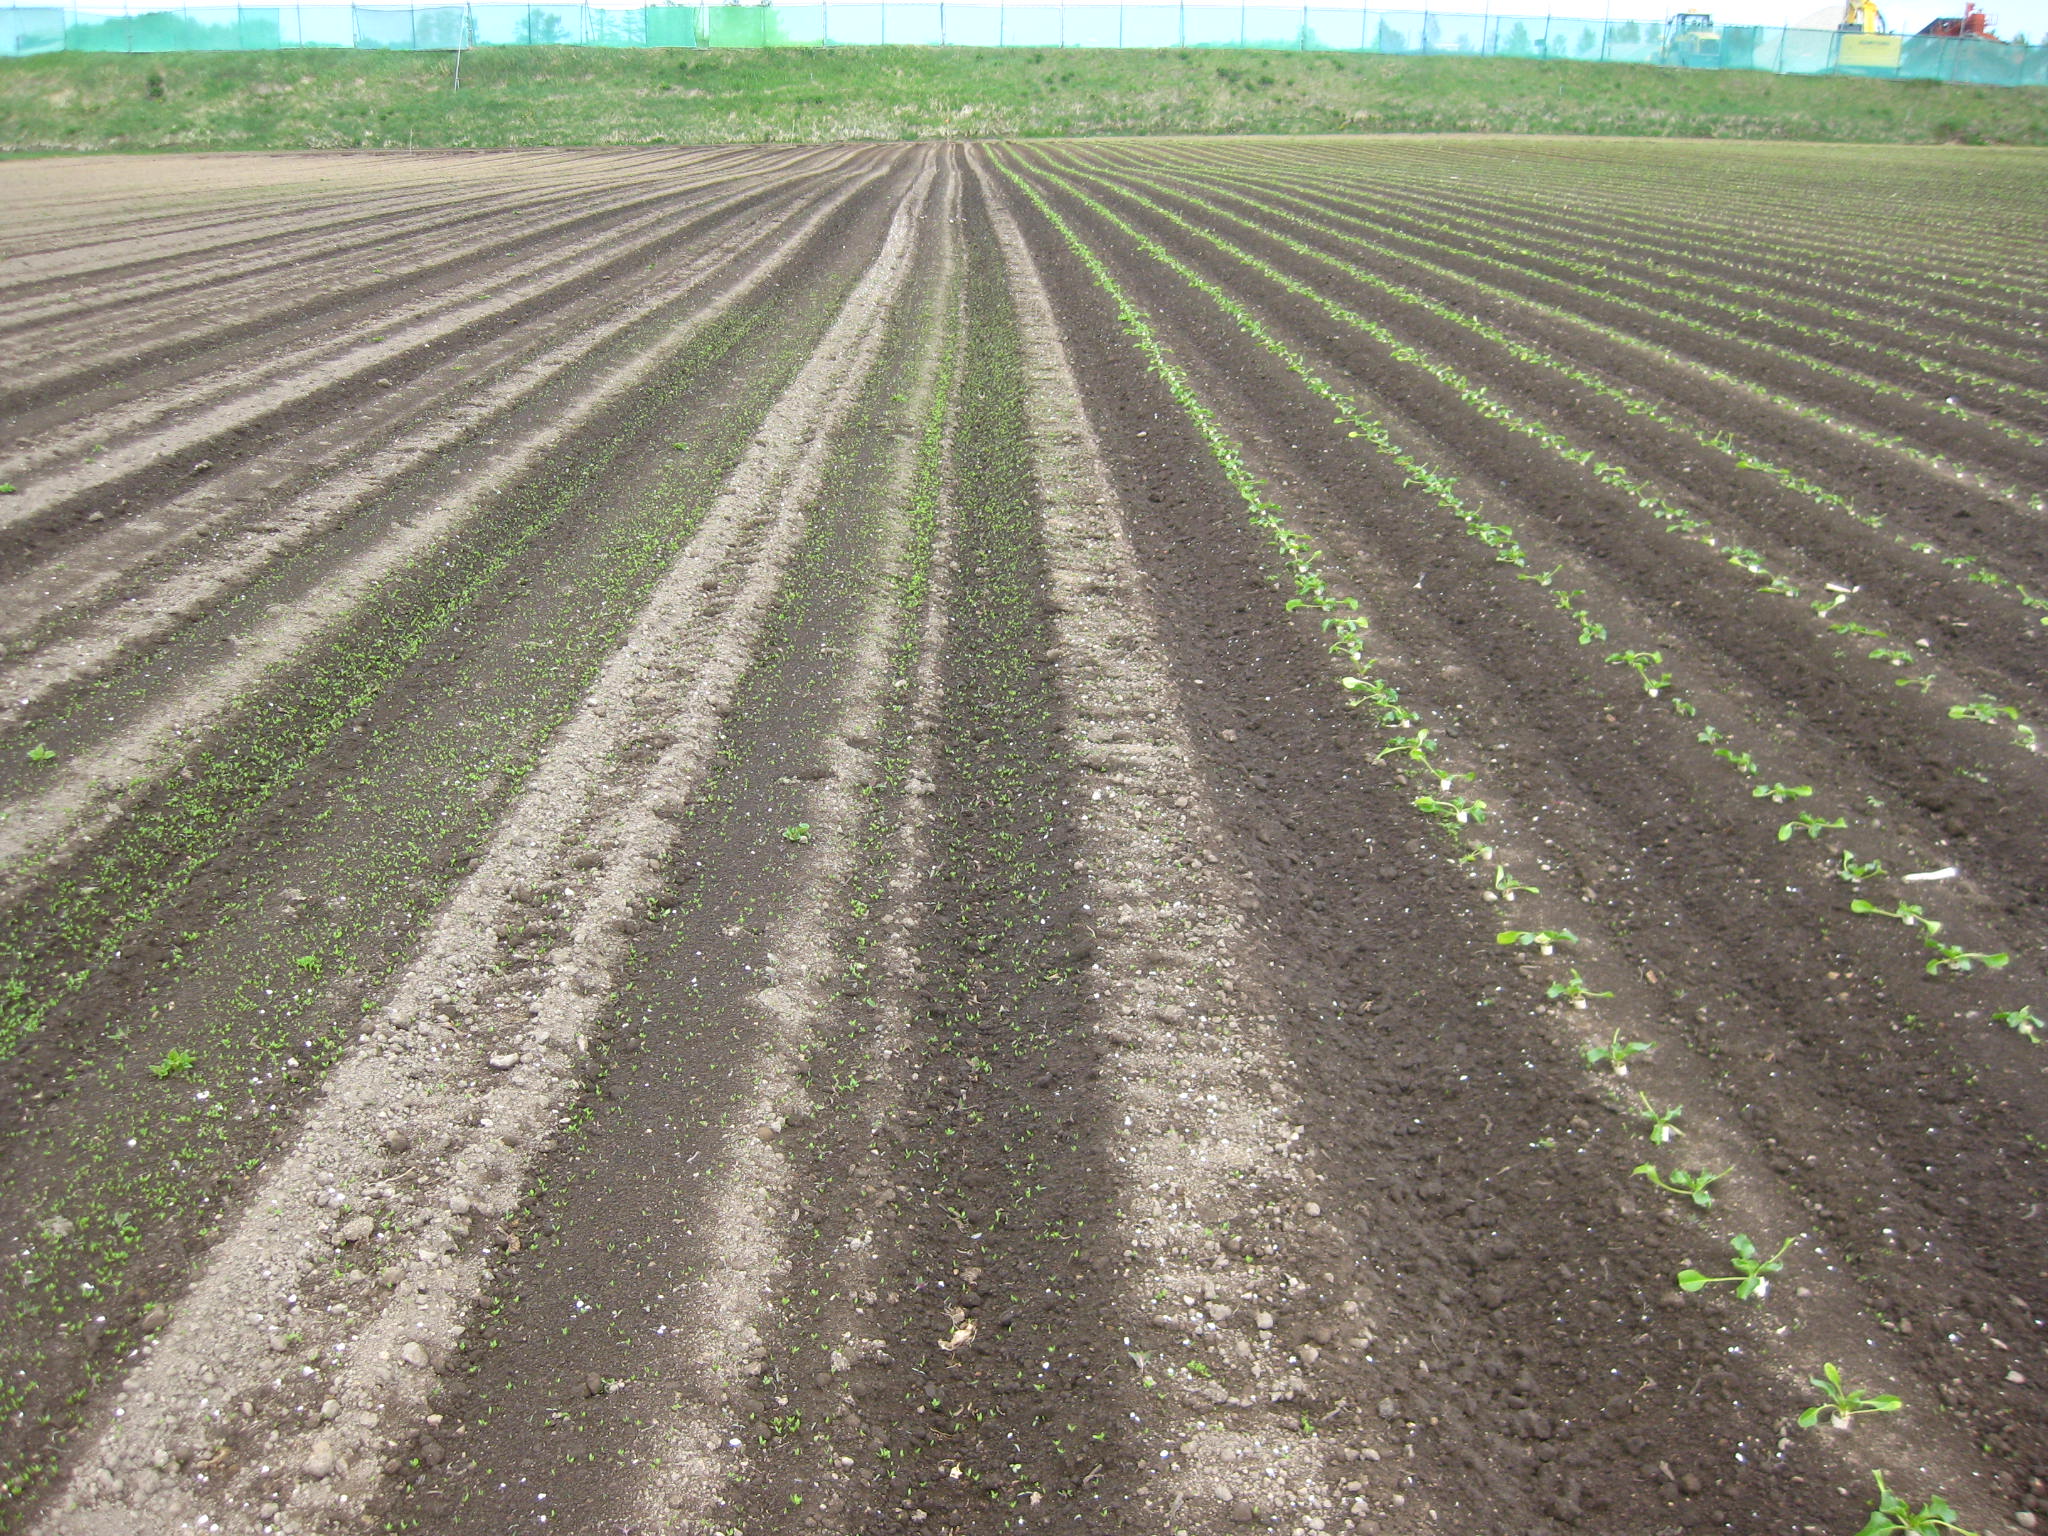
[1150, 836]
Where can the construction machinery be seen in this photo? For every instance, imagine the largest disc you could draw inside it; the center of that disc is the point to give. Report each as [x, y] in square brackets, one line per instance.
[1866, 42]
[1972, 23]
[1692, 40]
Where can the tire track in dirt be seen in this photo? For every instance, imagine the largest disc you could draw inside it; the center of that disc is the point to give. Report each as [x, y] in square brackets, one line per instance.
[686, 654]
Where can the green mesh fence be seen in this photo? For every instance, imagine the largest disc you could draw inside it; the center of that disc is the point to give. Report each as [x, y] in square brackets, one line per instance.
[1779, 50]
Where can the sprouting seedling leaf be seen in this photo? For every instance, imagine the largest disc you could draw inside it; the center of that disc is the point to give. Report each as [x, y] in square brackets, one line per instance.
[1856, 871]
[1753, 1271]
[1616, 1053]
[1696, 1187]
[1640, 662]
[1572, 990]
[1662, 1131]
[1452, 810]
[1742, 762]
[1542, 940]
[1953, 957]
[1904, 912]
[1811, 825]
[40, 754]
[176, 1060]
[800, 833]
[2023, 1019]
[1844, 1403]
[1778, 794]
[1505, 885]
[1894, 1516]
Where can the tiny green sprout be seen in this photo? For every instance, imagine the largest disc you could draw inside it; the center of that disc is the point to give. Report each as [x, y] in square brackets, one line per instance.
[1505, 885]
[800, 833]
[1709, 734]
[6, 488]
[1844, 1403]
[1990, 712]
[1894, 1515]
[1452, 810]
[1541, 578]
[1856, 871]
[1778, 586]
[1811, 825]
[1574, 991]
[309, 963]
[1684, 707]
[1543, 940]
[1742, 762]
[1615, 1053]
[2024, 1019]
[1778, 794]
[176, 1060]
[1662, 1131]
[1824, 606]
[1922, 683]
[1953, 957]
[1859, 629]
[1905, 912]
[1890, 655]
[1696, 1187]
[40, 754]
[1753, 1270]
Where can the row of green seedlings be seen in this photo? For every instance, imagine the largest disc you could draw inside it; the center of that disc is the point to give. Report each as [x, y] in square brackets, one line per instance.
[1514, 258]
[1699, 282]
[1972, 568]
[1809, 239]
[1457, 811]
[1823, 418]
[1676, 520]
[1840, 1403]
[1341, 620]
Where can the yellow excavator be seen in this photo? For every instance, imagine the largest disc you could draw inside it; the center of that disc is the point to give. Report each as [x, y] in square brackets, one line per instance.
[1865, 41]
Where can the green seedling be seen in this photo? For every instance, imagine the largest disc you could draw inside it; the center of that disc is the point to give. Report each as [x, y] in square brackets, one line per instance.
[1543, 941]
[1953, 957]
[1590, 629]
[6, 488]
[1640, 663]
[1894, 1515]
[1453, 810]
[1844, 1403]
[1990, 712]
[1505, 885]
[1615, 1054]
[1890, 655]
[1905, 912]
[1742, 761]
[1573, 991]
[1856, 871]
[800, 833]
[1696, 1187]
[1778, 586]
[1779, 794]
[176, 1061]
[1922, 683]
[1824, 606]
[1753, 1271]
[1811, 825]
[1709, 734]
[1662, 1131]
[1858, 629]
[2025, 1020]
[40, 754]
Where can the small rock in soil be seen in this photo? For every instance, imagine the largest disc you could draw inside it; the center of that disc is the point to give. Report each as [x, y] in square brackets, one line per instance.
[320, 1461]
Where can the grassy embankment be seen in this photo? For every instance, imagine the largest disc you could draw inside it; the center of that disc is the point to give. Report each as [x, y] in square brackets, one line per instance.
[328, 99]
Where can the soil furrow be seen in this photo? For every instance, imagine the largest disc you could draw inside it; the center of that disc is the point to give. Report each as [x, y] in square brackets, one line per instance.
[591, 815]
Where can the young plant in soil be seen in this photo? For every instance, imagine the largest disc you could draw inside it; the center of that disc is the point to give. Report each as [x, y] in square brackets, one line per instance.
[1505, 885]
[1953, 957]
[1905, 912]
[1894, 1515]
[1662, 1131]
[1844, 1403]
[1696, 1187]
[2024, 1019]
[1544, 940]
[1616, 1053]
[1573, 990]
[1855, 871]
[1753, 1271]
[1811, 825]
